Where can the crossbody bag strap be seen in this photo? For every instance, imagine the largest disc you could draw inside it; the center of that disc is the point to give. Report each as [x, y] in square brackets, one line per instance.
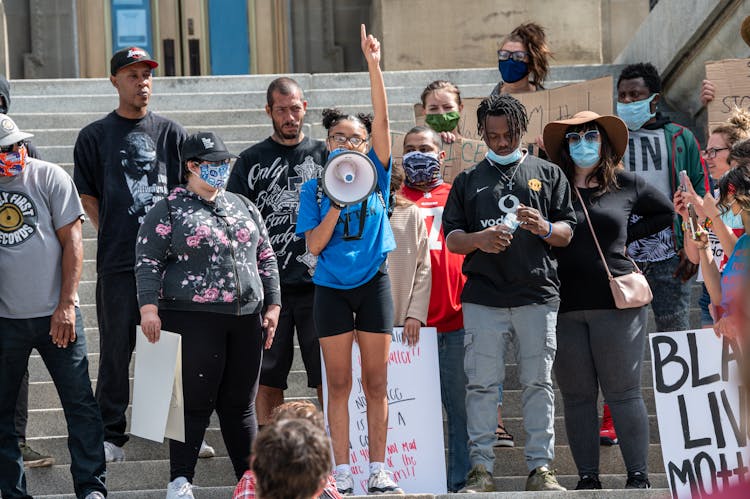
[593, 233]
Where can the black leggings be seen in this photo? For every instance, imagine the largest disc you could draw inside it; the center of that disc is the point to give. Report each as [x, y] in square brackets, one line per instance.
[221, 356]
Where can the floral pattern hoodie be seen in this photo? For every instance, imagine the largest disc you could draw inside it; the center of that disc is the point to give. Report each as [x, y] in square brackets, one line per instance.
[193, 254]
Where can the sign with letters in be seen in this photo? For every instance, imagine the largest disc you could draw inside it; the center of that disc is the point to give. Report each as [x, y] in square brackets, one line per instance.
[731, 77]
[415, 452]
[701, 409]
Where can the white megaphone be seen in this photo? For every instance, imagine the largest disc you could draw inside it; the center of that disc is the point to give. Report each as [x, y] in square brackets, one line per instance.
[349, 177]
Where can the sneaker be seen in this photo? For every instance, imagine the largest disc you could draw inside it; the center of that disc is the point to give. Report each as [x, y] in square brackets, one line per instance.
[503, 438]
[206, 451]
[180, 487]
[94, 495]
[344, 482]
[542, 478]
[607, 435]
[33, 459]
[637, 480]
[478, 480]
[589, 482]
[381, 482]
[113, 453]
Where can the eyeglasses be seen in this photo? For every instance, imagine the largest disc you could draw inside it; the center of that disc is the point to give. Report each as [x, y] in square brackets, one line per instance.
[343, 139]
[711, 153]
[518, 55]
[575, 137]
[10, 147]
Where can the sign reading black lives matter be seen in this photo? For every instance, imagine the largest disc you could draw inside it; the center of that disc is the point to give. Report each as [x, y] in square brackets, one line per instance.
[702, 412]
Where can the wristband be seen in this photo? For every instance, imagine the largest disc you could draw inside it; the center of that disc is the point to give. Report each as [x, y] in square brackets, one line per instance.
[548, 234]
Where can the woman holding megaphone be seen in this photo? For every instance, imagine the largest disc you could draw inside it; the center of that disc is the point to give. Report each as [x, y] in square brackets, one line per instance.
[351, 238]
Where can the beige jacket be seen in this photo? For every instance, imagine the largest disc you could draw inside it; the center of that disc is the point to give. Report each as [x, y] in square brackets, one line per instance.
[409, 266]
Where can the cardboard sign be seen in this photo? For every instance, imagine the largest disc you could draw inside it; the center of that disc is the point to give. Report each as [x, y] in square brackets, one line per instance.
[701, 410]
[158, 404]
[459, 155]
[542, 107]
[731, 77]
[415, 451]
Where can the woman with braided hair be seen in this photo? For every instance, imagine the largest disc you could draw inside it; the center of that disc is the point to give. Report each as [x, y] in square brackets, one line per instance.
[505, 213]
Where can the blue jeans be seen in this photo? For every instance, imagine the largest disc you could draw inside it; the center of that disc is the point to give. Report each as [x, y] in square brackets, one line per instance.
[69, 370]
[671, 304]
[488, 331]
[453, 394]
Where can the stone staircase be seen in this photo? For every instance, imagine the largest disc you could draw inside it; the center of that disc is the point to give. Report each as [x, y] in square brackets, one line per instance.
[55, 110]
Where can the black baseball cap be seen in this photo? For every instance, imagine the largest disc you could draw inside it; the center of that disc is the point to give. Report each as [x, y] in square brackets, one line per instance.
[206, 146]
[128, 56]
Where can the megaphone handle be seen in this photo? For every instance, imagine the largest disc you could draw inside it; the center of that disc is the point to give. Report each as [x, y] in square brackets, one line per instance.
[362, 215]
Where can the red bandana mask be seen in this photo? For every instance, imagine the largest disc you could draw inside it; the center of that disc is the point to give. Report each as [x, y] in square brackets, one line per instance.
[12, 163]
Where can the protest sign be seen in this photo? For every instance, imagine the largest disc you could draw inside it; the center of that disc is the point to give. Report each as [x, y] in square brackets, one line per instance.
[701, 410]
[542, 107]
[731, 77]
[158, 406]
[415, 451]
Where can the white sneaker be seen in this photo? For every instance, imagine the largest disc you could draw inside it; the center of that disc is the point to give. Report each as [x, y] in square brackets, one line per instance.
[180, 487]
[381, 482]
[94, 495]
[206, 450]
[344, 483]
[113, 453]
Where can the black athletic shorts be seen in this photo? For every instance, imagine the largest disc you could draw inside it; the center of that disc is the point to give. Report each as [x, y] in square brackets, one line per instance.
[296, 314]
[366, 308]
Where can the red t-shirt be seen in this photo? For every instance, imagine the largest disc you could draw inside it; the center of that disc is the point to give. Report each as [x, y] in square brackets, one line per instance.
[447, 279]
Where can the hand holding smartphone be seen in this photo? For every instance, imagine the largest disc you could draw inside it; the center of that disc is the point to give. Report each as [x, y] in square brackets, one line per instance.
[684, 180]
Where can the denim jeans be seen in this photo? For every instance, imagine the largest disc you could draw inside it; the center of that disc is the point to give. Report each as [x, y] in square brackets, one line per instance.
[488, 331]
[671, 304]
[453, 394]
[68, 368]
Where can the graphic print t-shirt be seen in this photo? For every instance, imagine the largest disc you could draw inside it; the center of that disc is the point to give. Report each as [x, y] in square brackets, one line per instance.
[128, 165]
[735, 273]
[270, 175]
[647, 158]
[33, 205]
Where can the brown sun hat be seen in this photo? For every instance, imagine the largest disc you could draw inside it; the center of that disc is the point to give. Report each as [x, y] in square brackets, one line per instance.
[745, 30]
[554, 133]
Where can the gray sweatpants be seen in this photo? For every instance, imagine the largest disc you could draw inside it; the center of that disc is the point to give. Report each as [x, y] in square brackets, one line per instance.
[603, 348]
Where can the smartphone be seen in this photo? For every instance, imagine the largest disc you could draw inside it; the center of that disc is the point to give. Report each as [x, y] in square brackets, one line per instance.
[684, 179]
[694, 228]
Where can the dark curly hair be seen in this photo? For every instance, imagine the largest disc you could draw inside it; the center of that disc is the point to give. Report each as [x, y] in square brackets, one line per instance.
[503, 105]
[737, 183]
[740, 151]
[644, 70]
[332, 117]
[605, 173]
[534, 39]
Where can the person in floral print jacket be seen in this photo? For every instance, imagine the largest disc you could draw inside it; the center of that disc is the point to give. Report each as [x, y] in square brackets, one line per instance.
[205, 269]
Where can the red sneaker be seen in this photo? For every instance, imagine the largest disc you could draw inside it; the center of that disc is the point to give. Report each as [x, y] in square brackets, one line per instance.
[607, 435]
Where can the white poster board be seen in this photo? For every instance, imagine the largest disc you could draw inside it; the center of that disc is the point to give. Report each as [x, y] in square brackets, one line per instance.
[158, 406]
[702, 424]
[415, 451]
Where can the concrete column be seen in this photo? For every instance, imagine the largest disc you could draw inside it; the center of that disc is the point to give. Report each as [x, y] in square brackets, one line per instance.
[4, 66]
[54, 41]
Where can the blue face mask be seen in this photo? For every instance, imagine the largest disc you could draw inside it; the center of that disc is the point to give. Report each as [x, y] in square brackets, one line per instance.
[512, 71]
[731, 219]
[504, 160]
[422, 170]
[585, 154]
[636, 114]
[215, 174]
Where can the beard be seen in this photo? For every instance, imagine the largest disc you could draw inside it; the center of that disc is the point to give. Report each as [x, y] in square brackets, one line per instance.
[288, 135]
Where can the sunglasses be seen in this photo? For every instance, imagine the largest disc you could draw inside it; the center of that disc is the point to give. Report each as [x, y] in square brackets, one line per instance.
[711, 153]
[343, 139]
[518, 56]
[4, 149]
[575, 137]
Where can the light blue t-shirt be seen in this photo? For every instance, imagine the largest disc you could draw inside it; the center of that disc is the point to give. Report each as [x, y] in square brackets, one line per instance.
[348, 264]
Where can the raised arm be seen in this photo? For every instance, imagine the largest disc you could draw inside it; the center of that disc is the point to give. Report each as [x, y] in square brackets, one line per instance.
[381, 134]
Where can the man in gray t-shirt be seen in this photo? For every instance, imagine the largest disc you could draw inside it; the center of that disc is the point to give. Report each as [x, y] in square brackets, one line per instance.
[41, 256]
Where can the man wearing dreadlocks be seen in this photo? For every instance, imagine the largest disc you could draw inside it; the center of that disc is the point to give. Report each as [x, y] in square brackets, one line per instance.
[504, 214]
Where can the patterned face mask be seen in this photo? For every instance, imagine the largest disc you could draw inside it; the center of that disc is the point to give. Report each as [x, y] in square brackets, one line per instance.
[12, 163]
[215, 174]
[422, 169]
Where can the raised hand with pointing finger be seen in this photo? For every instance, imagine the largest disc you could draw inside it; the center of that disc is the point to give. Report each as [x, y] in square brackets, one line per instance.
[370, 46]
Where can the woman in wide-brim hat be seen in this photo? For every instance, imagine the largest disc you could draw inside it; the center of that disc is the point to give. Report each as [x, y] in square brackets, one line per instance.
[599, 345]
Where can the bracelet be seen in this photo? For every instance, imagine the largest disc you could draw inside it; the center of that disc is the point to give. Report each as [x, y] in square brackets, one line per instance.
[708, 223]
[548, 234]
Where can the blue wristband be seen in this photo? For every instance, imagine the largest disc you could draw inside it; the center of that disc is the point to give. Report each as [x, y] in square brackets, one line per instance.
[546, 236]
